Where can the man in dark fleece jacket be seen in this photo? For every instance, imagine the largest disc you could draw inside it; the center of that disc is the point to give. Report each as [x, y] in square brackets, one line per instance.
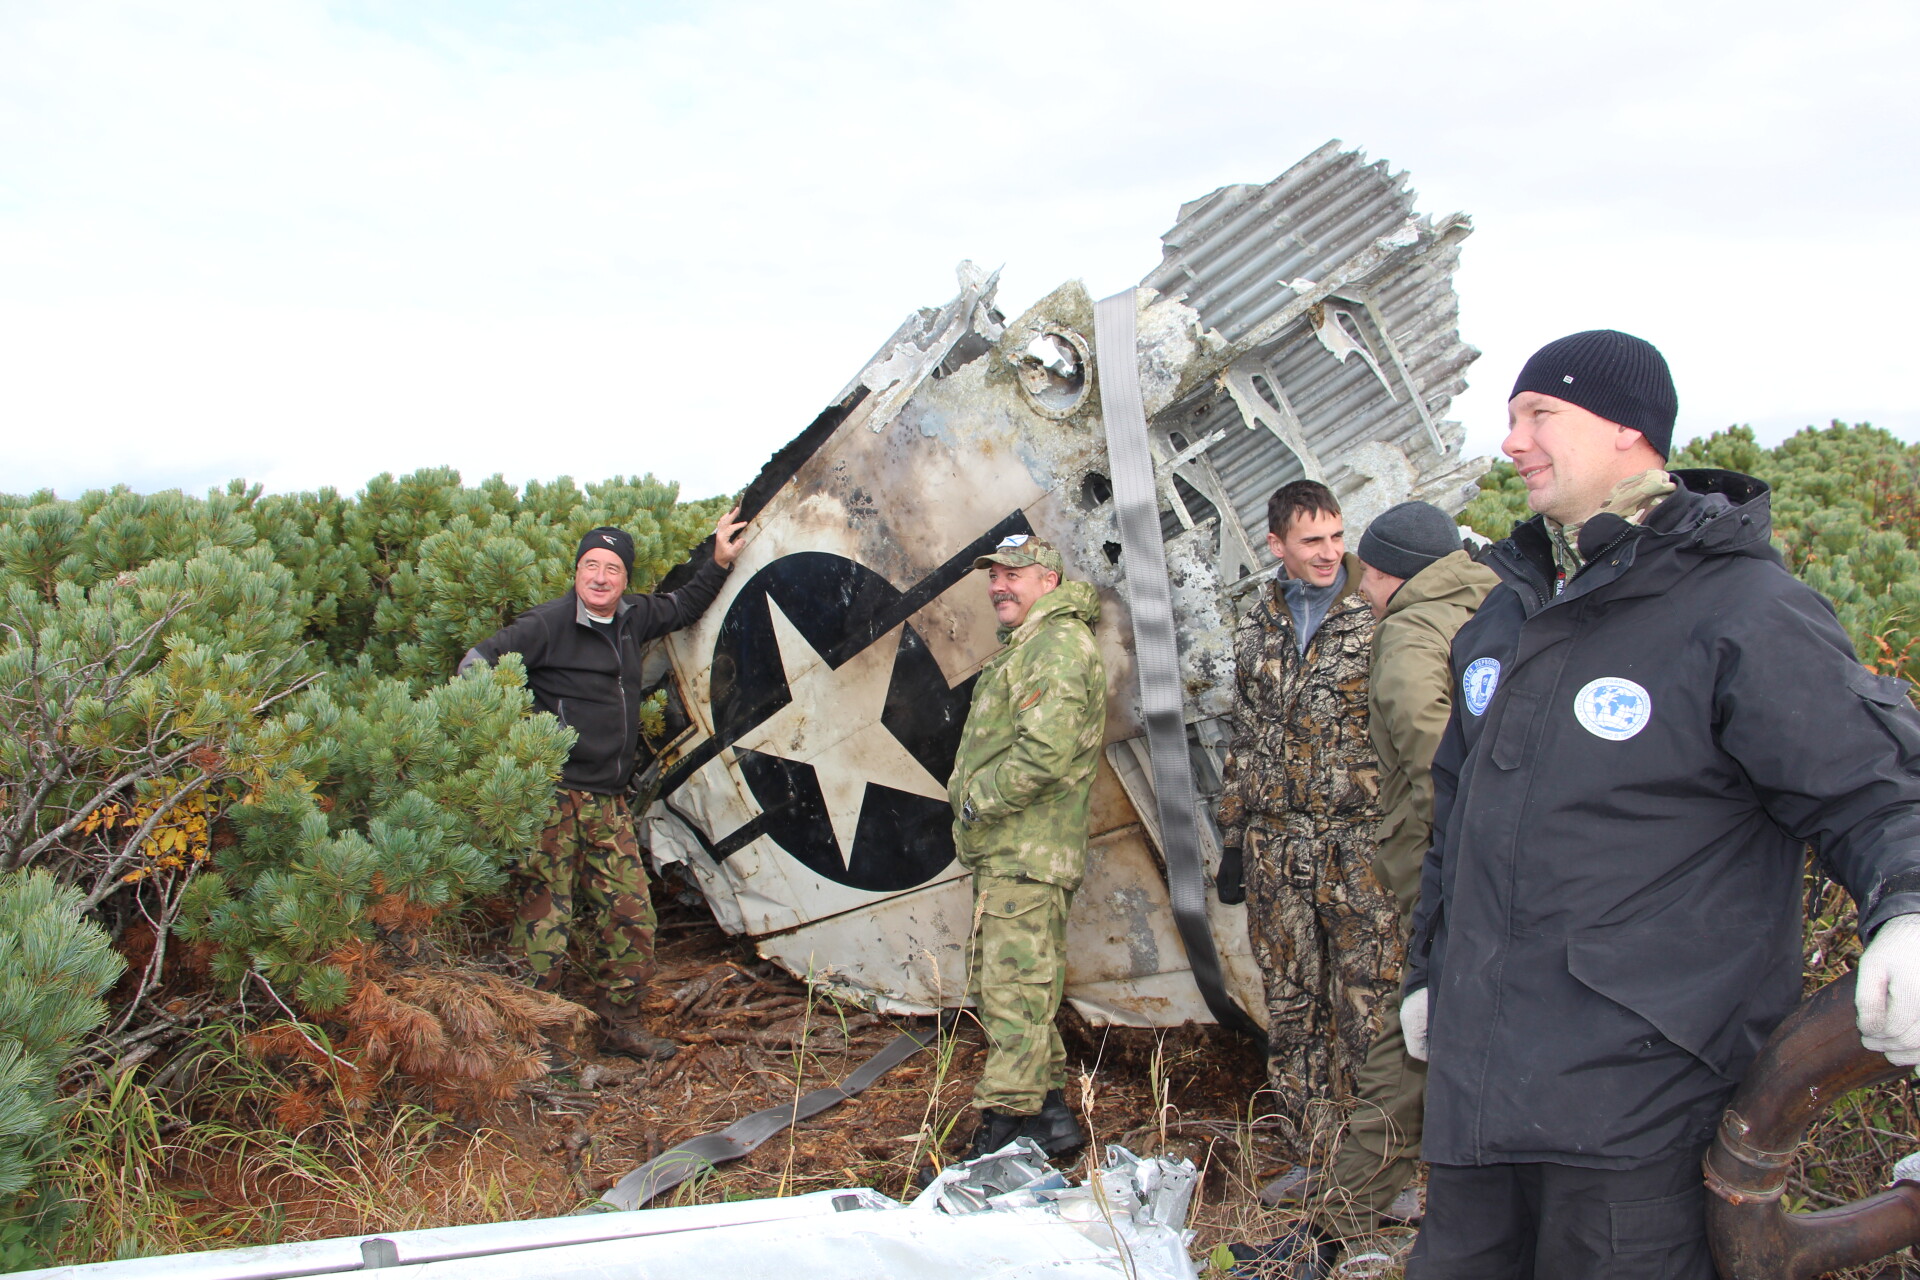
[1651, 721]
[583, 653]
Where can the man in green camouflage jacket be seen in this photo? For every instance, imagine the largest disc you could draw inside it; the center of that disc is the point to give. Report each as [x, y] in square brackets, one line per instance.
[1298, 811]
[1019, 789]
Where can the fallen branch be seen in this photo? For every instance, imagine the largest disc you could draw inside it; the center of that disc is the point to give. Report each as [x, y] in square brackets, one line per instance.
[293, 1020]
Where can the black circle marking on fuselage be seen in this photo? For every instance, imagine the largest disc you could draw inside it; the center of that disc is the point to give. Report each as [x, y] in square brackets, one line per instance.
[902, 840]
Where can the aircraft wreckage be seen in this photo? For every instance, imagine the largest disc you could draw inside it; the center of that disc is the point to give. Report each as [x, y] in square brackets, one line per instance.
[1304, 328]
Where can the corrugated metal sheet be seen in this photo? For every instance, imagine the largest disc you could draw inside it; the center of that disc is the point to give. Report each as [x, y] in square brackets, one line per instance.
[1253, 262]
[1233, 254]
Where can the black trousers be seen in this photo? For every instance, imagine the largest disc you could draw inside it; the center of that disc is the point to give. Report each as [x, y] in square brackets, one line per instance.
[1557, 1222]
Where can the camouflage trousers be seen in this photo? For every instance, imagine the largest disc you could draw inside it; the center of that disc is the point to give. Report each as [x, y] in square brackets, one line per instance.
[1328, 941]
[1018, 971]
[588, 857]
[1379, 1151]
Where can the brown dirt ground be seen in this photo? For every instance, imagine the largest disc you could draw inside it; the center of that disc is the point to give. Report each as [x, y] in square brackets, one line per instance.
[752, 1038]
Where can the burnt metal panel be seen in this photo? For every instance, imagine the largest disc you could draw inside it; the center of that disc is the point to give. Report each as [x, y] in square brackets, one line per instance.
[1306, 326]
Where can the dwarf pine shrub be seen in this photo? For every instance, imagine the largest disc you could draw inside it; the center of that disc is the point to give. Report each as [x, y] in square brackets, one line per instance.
[229, 727]
[54, 967]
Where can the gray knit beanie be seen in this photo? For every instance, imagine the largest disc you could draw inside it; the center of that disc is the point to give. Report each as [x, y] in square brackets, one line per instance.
[1404, 539]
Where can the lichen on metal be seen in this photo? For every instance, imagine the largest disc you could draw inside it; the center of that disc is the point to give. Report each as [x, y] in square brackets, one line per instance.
[1306, 327]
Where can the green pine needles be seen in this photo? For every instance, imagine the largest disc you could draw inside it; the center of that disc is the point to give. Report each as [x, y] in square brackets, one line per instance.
[54, 967]
[399, 801]
[230, 733]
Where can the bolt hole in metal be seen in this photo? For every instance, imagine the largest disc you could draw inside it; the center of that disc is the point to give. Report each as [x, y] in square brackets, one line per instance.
[1053, 371]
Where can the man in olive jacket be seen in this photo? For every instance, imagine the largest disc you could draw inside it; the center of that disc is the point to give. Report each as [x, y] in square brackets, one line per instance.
[1421, 587]
[1020, 787]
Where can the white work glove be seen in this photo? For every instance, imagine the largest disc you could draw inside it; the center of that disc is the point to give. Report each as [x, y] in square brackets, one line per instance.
[1413, 1020]
[1886, 996]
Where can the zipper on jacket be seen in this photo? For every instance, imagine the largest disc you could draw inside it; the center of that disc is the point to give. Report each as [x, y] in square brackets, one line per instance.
[625, 751]
[1520, 572]
[1601, 554]
[621, 761]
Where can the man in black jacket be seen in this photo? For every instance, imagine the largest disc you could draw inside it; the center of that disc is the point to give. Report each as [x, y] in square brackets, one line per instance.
[1652, 719]
[583, 653]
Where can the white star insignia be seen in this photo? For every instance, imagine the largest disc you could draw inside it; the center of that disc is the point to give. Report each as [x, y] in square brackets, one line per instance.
[833, 723]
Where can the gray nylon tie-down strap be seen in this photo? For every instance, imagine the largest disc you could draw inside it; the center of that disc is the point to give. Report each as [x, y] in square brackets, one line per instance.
[697, 1155]
[1155, 652]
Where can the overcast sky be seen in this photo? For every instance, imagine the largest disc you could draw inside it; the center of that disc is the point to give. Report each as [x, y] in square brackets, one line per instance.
[306, 242]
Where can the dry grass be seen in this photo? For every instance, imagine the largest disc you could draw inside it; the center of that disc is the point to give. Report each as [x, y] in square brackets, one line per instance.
[205, 1163]
[145, 1180]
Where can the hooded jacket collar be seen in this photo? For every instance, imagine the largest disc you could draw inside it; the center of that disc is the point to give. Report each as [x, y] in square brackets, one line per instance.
[1074, 599]
[1712, 513]
[1455, 578]
[1344, 595]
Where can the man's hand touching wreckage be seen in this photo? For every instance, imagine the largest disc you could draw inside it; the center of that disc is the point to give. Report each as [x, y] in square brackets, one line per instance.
[583, 653]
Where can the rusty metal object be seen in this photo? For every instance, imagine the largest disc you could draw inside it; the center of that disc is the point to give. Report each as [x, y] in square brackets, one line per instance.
[1812, 1059]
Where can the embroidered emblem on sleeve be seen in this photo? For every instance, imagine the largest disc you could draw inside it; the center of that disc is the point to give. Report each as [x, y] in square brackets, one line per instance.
[1481, 678]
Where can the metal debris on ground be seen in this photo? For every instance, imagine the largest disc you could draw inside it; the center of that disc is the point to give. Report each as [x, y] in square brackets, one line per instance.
[1136, 1208]
[1009, 1215]
[701, 1154]
[1019, 1169]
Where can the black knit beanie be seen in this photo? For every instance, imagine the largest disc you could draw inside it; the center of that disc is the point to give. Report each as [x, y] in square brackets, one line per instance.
[1404, 539]
[608, 538]
[1622, 378]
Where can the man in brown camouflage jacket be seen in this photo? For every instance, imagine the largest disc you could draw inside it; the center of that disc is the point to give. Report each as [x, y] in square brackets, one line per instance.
[1299, 807]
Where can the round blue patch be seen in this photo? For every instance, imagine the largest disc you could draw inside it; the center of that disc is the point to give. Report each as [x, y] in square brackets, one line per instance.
[1613, 708]
[1477, 685]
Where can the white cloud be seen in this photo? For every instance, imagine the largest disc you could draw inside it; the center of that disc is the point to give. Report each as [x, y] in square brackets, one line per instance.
[301, 242]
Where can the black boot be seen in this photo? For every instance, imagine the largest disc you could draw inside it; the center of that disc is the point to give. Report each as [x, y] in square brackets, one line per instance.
[1300, 1254]
[1054, 1128]
[621, 1032]
[995, 1130]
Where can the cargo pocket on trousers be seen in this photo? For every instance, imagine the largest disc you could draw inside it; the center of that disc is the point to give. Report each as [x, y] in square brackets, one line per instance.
[1515, 727]
[1671, 1222]
[1016, 931]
